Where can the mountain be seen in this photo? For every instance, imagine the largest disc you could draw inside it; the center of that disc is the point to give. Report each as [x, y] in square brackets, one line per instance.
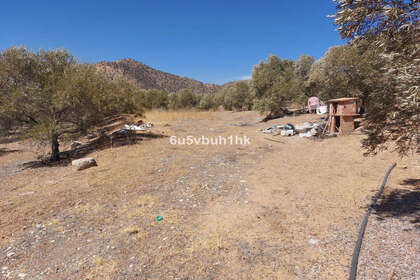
[147, 77]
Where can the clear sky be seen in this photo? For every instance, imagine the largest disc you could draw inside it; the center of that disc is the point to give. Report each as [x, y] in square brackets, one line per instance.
[211, 41]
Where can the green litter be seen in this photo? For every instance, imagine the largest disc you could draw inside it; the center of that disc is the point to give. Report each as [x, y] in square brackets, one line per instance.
[159, 218]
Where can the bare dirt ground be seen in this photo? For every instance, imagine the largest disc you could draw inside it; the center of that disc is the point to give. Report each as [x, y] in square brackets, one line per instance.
[267, 210]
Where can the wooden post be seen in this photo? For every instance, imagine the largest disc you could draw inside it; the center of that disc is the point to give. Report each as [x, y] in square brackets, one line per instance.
[332, 119]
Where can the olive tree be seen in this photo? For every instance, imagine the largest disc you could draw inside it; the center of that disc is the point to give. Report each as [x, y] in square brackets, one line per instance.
[393, 28]
[346, 71]
[50, 95]
[207, 101]
[236, 96]
[274, 84]
[155, 99]
[183, 99]
[303, 66]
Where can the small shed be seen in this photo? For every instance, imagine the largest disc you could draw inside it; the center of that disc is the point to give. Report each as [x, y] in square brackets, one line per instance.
[342, 112]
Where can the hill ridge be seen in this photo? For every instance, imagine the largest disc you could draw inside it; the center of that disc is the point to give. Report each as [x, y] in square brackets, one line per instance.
[147, 77]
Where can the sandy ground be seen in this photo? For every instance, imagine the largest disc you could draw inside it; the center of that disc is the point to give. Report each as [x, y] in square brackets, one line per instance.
[266, 210]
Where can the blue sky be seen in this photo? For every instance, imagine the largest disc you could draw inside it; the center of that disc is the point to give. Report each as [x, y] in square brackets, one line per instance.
[211, 41]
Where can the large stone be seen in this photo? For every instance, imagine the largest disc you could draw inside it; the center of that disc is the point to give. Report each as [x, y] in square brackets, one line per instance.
[83, 163]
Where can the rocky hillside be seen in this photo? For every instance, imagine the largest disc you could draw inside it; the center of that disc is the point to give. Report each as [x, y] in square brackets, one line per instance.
[147, 77]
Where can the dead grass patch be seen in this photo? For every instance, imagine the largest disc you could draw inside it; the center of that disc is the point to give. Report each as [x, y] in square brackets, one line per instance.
[145, 201]
[136, 231]
[101, 269]
[213, 243]
[162, 117]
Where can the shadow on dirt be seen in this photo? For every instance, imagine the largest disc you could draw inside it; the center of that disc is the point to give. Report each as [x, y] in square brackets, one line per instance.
[4, 151]
[411, 182]
[99, 144]
[9, 139]
[401, 203]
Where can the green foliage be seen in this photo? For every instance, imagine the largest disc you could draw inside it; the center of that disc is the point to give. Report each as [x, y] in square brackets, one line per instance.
[52, 96]
[275, 84]
[346, 71]
[155, 99]
[392, 28]
[183, 99]
[303, 66]
[207, 102]
[235, 97]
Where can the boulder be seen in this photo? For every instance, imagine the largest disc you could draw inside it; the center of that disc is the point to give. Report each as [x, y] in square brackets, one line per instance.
[83, 163]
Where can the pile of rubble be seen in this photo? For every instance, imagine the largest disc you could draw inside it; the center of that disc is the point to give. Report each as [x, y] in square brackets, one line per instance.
[308, 129]
[130, 128]
[283, 130]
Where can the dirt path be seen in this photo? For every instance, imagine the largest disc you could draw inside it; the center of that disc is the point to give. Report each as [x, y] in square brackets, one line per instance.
[261, 211]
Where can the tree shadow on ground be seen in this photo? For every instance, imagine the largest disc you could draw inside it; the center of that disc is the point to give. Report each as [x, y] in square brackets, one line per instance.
[9, 139]
[401, 203]
[99, 144]
[4, 151]
[411, 182]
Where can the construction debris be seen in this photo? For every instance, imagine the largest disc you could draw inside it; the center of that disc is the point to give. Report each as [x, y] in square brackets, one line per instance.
[322, 110]
[140, 127]
[132, 128]
[307, 129]
[283, 130]
[311, 133]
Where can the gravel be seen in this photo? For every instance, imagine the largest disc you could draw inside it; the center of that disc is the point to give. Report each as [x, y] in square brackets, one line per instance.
[391, 249]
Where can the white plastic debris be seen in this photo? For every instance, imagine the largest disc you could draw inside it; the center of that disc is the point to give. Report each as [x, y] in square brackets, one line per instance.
[312, 132]
[134, 127]
[140, 127]
[322, 110]
[288, 132]
[305, 127]
[305, 134]
[284, 130]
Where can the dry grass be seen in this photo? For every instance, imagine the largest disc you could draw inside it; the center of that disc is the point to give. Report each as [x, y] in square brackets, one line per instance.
[213, 243]
[131, 230]
[229, 212]
[163, 117]
[101, 269]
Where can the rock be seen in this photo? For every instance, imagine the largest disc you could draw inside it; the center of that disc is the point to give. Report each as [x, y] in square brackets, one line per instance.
[83, 163]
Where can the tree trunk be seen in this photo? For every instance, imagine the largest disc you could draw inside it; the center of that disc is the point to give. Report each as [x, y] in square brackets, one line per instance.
[55, 152]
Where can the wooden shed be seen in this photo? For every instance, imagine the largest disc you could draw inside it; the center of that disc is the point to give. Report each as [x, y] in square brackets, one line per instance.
[342, 112]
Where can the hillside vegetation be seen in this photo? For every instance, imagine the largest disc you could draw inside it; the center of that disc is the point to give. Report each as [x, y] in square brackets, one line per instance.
[149, 78]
